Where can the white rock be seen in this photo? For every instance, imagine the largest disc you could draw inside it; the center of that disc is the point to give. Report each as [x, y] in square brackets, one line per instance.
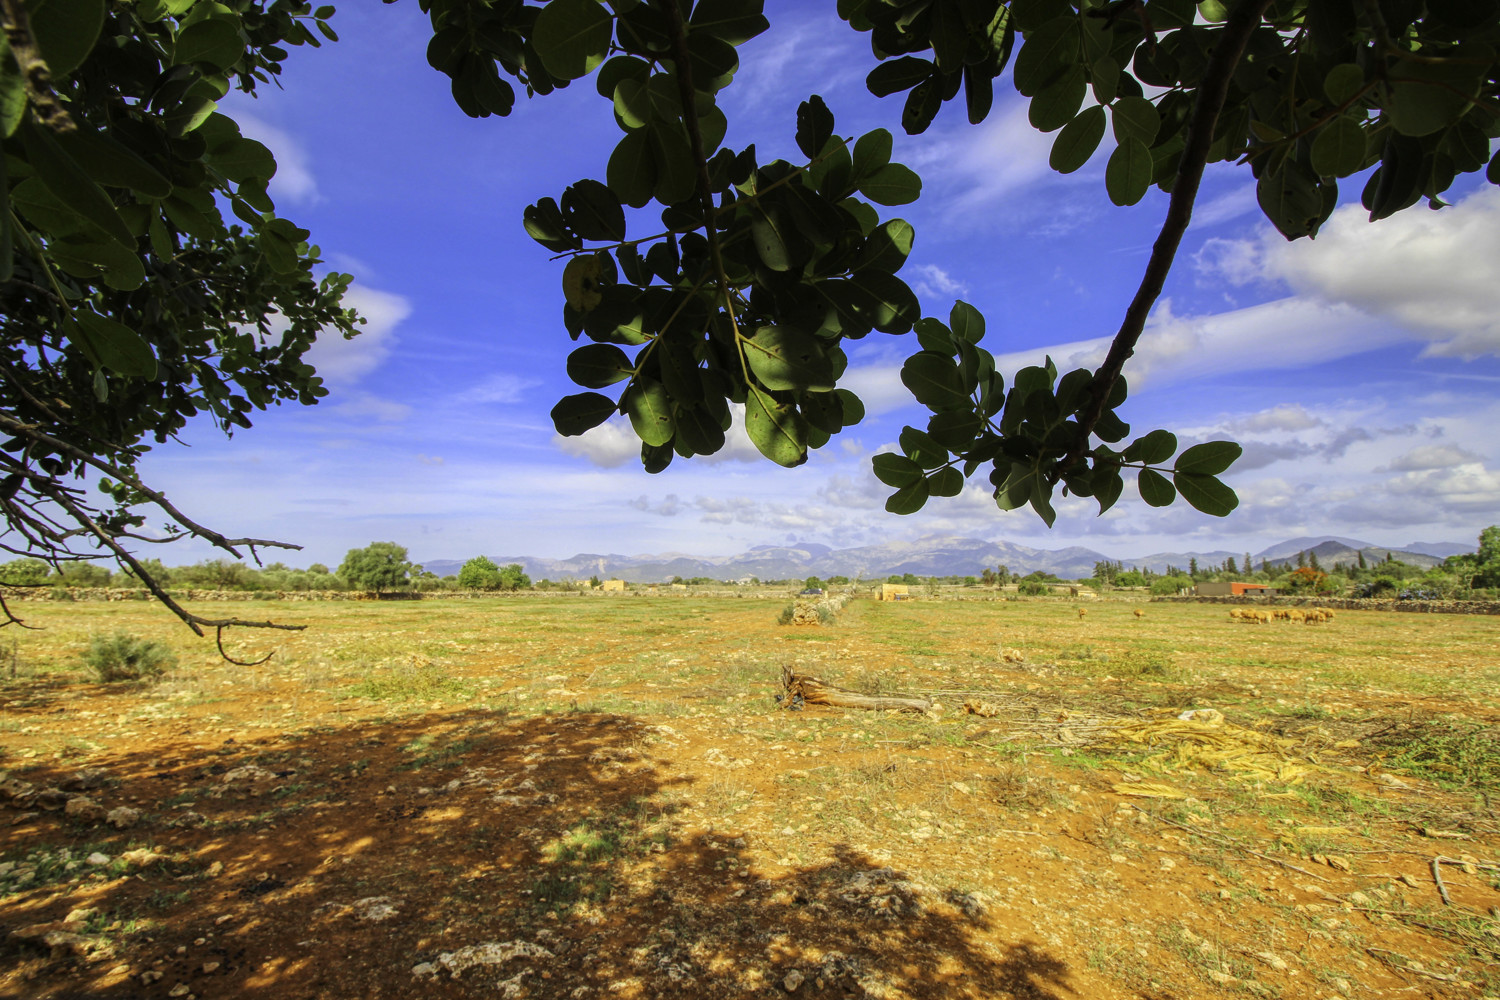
[792, 981]
[99, 860]
[123, 818]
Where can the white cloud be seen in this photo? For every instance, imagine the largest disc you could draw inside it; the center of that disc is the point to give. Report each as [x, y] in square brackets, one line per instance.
[294, 180]
[1432, 456]
[501, 388]
[988, 163]
[609, 446]
[1286, 417]
[932, 282]
[343, 362]
[1435, 273]
[1231, 204]
[365, 406]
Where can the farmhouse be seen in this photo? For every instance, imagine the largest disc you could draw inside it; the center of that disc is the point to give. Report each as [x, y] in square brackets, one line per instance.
[1233, 589]
[609, 585]
[894, 592]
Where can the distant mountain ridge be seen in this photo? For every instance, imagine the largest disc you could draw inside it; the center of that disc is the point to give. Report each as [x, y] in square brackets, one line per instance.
[931, 555]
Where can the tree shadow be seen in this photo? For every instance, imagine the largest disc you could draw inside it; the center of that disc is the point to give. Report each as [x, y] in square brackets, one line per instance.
[462, 854]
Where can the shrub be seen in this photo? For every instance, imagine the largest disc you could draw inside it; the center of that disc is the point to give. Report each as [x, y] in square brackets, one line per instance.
[1033, 588]
[124, 657]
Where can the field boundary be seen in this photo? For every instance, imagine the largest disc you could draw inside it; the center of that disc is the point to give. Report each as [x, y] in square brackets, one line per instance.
[1350, 604]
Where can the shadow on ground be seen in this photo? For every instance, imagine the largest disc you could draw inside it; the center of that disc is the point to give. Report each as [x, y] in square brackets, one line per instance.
[496, 856]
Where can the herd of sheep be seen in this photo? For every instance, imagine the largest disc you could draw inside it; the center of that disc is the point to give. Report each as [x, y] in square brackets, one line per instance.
[1310, 616]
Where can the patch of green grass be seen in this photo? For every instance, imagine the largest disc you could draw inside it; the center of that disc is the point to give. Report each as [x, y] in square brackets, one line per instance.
[425, 754]
[1455, 753]
[404, 684]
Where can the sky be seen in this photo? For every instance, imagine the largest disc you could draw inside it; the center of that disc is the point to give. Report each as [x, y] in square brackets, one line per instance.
[1360, 370]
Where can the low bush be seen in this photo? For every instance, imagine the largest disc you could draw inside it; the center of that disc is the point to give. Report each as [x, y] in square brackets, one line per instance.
[124, 657]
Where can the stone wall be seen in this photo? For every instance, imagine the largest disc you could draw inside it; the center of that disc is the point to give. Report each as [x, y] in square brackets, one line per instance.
[1351, 604]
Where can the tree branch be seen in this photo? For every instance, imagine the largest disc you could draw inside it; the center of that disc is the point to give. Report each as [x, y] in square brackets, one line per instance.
[34, 70]
[1212, 92]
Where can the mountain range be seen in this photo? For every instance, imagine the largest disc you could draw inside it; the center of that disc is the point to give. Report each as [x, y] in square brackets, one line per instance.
[932, 555]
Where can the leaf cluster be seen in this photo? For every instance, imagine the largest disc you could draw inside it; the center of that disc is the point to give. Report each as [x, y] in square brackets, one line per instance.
[128, 303]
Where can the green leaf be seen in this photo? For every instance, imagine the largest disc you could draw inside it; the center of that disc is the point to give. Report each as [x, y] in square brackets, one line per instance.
[935, 381]
[1041, 501]
[595, 366]
[1128, 175]
[676, 170]
[897, 470]
[967, 322]
[769, 232]
[713, 62]
[591, 209]
[1153, 448]
[932, 335]
[67, 180]
[632, 170]
[1135, 118]
[544, 223]
[908, 499]
[893, 184]
[871, 154]
[1078, 140]
[580, 282]
[12, 92]
[1343, 82]
[1156, 489]
[786, 359]
[814, 126]
[1291, 199]
[922, 448]
[114, 164]
[1208, 459]
[112, 345]
[1048, 54]
[777, 430]
[616, 71]
[65, 31]
[1428, 97]
[572, 37]
[1339, 149]
[954, 429]
[581, 412]
[896, 75]
[1107, 489]
[854, 407]
[243, 160]
[213, 41]
[649, 408]
[1214, 11]
[1206, 493]
[734, 21]
[887, 247]
[1057, 103]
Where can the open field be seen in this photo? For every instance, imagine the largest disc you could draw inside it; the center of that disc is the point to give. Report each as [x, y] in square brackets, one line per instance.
[600, 797]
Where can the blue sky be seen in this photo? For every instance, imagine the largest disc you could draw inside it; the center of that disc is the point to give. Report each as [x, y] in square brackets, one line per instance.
[1359, 370]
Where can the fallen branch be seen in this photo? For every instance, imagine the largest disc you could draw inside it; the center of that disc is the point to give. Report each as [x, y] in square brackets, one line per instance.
[804, 689]
[1227, 842]
[1437, 877]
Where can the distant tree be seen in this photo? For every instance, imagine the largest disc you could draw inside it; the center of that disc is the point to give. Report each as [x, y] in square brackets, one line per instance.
[379, 566]
[1171, 584]
[812, 583]
[1249, 566]
[1312, 561]
[218, 574]
[24, 573]
[1230, 567]
[154, 567]
[82, 574]
[479, 573]
[1193, 568]
[838, 581]
[513, 577]
[1362, 560]
[1131, 578]
[987, 577]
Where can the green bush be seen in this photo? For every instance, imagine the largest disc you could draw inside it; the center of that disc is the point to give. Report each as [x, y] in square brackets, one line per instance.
[124, 657]
[1033, 588]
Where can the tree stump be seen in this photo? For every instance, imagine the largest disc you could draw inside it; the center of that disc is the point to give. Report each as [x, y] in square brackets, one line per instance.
[813, 691]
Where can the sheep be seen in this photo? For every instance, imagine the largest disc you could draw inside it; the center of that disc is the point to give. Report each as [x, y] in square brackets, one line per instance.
[1139, 613]
[1082, 614]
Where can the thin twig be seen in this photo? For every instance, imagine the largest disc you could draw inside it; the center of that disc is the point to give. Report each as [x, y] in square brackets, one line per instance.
[219, 641]
[1437, 877]
[1227, 842]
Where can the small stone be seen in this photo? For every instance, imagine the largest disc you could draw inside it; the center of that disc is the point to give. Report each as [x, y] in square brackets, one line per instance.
[180, 990]
[210, 967]
[792, 981]
[120, 970]
[80, 915]
[89, 777]
[123, 817]
[84, 809]
[99, 860]
[1273, 960]
[150, 976]
[199, 942]
[215, 870]
[141, 857]
[52, 798]
[225, 918]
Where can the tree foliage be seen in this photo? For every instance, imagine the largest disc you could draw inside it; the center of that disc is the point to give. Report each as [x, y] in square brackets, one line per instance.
[378, 566]
[128, 304]
[760, 271]
[479, 573]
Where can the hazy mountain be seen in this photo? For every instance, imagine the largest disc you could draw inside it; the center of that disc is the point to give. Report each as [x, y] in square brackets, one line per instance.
[1443, 549]
[931, 555]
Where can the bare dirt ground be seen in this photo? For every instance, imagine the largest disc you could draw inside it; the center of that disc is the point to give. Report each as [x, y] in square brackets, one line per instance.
[600, 797]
